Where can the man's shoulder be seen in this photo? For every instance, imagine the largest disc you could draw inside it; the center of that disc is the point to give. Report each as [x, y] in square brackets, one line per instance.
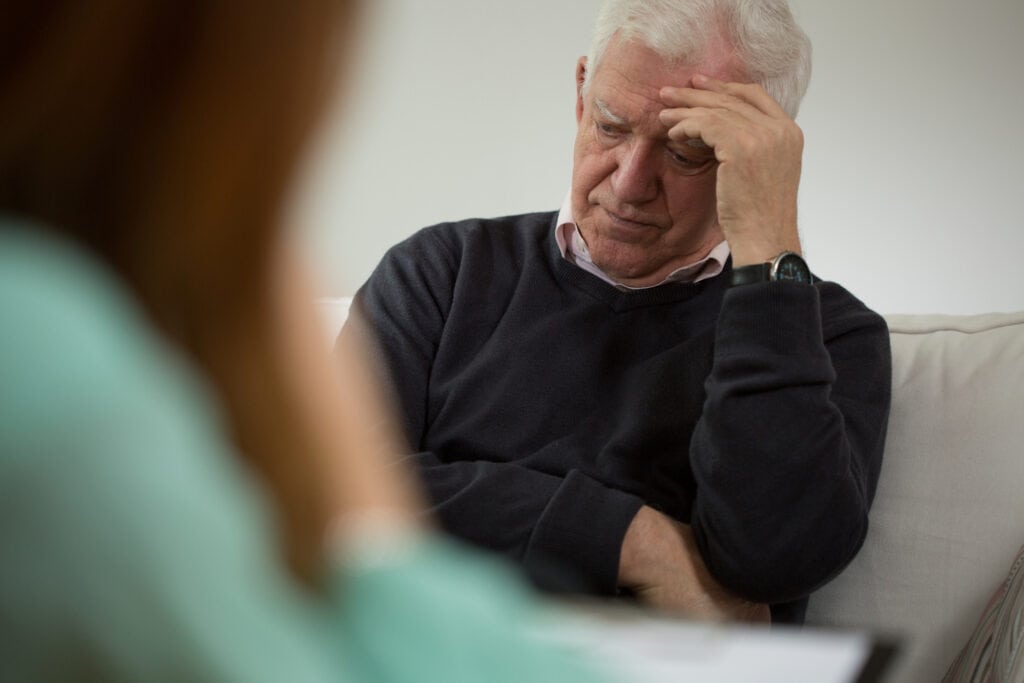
[518, 228]
[452, 245]
[437, 256]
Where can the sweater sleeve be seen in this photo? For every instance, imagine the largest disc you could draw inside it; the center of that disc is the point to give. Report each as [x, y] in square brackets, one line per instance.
[565, 529]
[788, 450]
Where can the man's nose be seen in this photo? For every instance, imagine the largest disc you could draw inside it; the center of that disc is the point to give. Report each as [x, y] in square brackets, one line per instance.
[635, 181]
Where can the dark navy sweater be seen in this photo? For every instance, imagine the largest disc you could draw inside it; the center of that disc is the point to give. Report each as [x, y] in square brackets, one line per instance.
[546, 406]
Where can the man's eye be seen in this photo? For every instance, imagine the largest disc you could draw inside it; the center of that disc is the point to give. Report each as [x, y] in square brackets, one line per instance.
[683, 160]
[607, 129]
[690, 162]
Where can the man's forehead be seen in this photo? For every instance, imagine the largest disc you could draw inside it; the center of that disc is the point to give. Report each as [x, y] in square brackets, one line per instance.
[634, 61]
[622, 93]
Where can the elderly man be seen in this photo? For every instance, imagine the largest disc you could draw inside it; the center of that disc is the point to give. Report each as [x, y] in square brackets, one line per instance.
[647, 391]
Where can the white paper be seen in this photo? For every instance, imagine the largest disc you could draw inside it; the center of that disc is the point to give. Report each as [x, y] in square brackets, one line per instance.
[640, 649]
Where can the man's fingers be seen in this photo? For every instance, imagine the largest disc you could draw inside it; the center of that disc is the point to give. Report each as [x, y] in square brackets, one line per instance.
[710, 92]
[691, 98]
[734, 128]
[751, 93]
[713, 126]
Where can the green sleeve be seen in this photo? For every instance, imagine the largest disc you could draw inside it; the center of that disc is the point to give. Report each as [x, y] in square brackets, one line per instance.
[455, 614]
[136, 548]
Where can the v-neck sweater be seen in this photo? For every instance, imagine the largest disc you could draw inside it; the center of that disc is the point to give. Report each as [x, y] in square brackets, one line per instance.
[545, 407]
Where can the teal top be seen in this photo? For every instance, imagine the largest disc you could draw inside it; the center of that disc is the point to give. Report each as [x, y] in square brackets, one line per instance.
[134, 546]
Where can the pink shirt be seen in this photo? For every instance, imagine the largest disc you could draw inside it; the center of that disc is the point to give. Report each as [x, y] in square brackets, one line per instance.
[574, 250]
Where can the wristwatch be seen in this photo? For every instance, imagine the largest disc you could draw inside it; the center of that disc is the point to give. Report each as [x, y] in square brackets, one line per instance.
[786, 267]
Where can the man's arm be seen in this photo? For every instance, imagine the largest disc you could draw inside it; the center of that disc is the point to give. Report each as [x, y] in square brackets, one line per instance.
[788, 450]
[551, 522]
[661, 564]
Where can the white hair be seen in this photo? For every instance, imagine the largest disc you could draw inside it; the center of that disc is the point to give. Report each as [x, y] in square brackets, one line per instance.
[775, 52]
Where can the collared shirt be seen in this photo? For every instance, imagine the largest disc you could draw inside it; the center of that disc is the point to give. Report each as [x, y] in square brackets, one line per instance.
[575, 250]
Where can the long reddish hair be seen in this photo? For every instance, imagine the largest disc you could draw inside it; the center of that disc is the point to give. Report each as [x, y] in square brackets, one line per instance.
[162, 136]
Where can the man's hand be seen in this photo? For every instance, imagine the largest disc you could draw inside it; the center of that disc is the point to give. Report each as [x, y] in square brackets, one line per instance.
[759, 150]
[661, 564]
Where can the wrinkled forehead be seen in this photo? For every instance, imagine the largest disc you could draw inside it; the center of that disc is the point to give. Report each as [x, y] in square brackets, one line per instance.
[632, 58]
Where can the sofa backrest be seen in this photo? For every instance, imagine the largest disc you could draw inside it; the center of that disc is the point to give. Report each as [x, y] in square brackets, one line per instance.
[948, 517]
[334, 311]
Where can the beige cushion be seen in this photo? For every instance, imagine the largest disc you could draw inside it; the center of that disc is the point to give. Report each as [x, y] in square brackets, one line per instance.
[334, 311]
[949, 512]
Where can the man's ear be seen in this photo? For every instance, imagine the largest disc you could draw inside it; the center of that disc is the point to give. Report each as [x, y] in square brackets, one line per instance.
[581, 76]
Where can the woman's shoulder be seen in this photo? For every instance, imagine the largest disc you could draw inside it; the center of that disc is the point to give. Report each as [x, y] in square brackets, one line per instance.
[113, 460]
[74, 338]
[89, 387]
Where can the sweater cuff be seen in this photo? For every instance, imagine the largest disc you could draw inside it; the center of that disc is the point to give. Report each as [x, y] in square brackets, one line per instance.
[786, 319]
[581, 528]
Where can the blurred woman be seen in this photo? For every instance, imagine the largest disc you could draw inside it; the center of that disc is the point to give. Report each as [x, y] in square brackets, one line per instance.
[190, 488]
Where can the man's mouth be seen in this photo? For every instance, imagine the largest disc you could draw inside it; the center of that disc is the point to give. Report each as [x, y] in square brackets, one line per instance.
[629, 221]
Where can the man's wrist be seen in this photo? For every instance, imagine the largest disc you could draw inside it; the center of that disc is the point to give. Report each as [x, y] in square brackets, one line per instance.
[788, 266]
[644, 548]
[763, 252]
[634, 543]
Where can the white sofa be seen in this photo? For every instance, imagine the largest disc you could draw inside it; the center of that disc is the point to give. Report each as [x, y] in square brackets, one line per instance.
[948, 517]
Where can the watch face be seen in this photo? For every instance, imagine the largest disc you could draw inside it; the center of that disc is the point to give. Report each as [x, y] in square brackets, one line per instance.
[791, 267]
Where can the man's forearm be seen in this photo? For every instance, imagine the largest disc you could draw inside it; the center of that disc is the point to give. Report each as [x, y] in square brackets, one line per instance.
[788, 450]
[565, 531]
[661, 564]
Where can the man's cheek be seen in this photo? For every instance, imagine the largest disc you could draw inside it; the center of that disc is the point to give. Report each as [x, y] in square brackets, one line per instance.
[593, 169]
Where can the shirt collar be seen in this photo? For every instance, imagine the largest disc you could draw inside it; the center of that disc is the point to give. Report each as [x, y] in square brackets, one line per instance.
[574, 250]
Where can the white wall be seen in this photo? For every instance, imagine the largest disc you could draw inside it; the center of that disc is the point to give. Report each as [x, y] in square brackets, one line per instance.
[913, 173]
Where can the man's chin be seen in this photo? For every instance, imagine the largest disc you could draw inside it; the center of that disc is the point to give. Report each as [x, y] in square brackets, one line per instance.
[625, 268]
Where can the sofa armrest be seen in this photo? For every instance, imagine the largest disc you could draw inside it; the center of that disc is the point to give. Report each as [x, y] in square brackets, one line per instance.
[949, 512]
